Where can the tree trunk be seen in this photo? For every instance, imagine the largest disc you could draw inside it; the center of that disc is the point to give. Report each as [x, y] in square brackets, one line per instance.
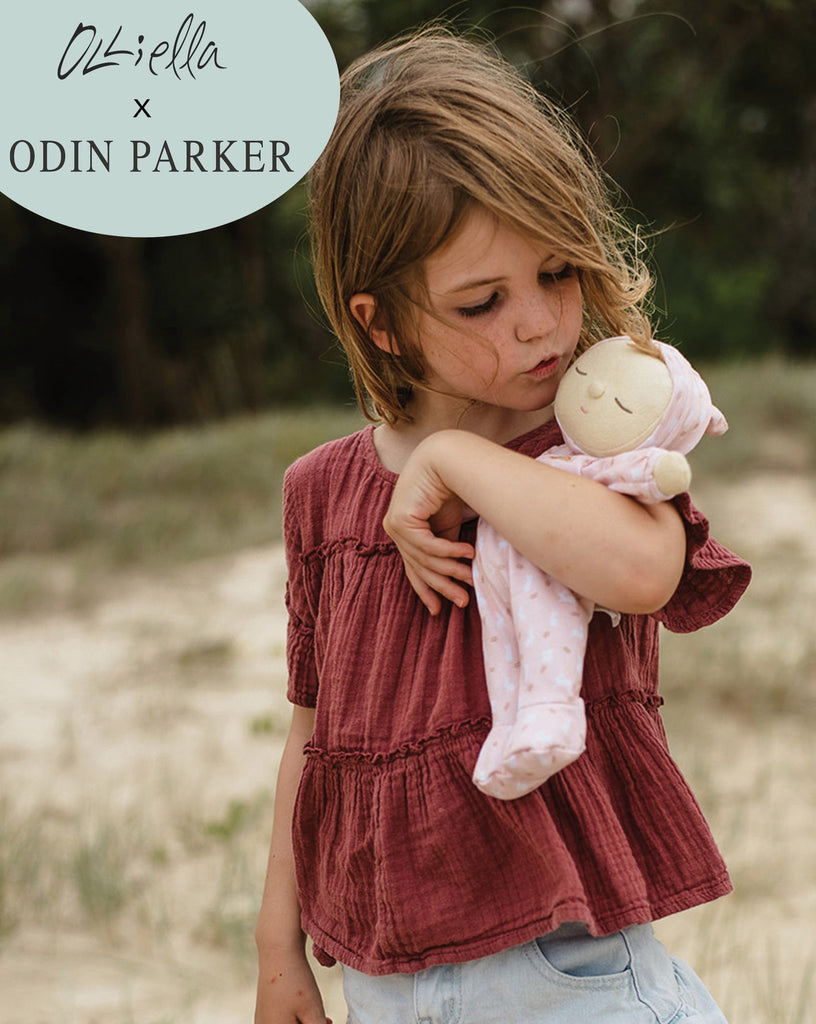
[131, 340]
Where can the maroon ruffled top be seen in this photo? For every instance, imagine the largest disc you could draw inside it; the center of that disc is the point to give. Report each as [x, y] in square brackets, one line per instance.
[401, 861]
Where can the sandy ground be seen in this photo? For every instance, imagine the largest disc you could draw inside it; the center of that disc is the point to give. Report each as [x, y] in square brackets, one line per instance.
[140, 715]
[147, 727]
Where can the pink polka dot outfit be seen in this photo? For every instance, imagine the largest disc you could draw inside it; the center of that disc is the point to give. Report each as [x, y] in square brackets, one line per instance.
[534, 629]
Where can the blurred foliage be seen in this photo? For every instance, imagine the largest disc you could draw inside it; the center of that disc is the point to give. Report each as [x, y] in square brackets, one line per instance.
[704, 113]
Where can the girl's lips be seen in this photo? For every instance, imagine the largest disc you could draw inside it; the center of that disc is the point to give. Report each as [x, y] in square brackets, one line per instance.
[546, 368]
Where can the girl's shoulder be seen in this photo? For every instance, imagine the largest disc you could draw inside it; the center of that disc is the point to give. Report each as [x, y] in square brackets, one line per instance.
[332, 461]
[338, 488]
[324, 455]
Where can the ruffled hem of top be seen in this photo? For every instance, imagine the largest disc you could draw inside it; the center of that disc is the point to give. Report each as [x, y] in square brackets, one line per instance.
[328, 952]
[303, 683]
[713, 579]
[410, 865]
[443, 737]
[326, 549]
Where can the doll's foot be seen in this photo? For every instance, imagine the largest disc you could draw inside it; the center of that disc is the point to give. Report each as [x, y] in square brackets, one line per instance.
[504, 786]
[544, 739]
[491, 756]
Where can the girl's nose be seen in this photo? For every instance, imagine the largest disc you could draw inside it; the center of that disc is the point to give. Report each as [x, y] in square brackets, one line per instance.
[536, 318]
[596, 388]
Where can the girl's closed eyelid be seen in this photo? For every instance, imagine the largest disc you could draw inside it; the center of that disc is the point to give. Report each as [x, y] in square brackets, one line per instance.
[482, 307]
[562, 273]
[545, 277]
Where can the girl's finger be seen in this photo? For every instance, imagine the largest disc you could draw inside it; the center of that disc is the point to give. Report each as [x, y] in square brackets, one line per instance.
[458, 549]
[424, 540]
[439, 583]
[447, 567]
[425, 594]
[431, 546]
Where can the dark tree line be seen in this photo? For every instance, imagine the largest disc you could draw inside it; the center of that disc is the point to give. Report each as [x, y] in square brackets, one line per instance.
[705, 113]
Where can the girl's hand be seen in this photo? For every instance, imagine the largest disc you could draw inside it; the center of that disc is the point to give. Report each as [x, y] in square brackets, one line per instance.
[423, 520]
[287, 990]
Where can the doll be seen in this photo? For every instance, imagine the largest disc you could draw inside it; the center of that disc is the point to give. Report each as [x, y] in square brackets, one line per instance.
[628, 419]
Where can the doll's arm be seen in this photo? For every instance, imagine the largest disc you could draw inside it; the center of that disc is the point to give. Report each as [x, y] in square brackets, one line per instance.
[650, 475]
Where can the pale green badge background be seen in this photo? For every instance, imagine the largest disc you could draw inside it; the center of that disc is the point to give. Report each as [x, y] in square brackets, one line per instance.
[280, 83]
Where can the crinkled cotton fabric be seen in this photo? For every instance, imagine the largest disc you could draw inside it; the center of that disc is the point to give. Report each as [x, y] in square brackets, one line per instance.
[401, 862]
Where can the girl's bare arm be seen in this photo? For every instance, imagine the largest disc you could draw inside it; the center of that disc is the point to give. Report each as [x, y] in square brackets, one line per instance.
[287, 991]
[601, 544]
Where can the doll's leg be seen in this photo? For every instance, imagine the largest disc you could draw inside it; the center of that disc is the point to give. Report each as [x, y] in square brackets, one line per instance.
[499, 646]
[549, 731]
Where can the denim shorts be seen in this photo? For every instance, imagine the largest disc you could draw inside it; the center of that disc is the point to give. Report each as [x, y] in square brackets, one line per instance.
[566, 977]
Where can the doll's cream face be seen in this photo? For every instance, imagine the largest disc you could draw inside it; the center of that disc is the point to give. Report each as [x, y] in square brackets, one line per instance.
[612, 398]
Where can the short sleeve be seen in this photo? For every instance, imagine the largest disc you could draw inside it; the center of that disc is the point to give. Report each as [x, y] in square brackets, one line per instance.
[713, 579]
[303, 679]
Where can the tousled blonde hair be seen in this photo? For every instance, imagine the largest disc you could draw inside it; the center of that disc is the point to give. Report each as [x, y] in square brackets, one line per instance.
[428, 126]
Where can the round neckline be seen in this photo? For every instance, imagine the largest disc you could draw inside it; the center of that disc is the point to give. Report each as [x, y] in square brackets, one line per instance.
[370, 452]
[370, 449]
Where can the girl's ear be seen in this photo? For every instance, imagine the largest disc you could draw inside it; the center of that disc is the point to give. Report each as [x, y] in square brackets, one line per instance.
[363, 308]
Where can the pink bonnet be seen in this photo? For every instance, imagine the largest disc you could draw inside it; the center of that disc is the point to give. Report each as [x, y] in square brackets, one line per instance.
[690, 412]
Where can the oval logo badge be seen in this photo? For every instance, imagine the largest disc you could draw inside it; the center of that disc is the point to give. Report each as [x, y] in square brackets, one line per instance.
[158, 117]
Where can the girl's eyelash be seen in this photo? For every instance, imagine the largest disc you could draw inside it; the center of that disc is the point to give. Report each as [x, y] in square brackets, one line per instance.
[483, 307]
[546, 276]
[563, 274]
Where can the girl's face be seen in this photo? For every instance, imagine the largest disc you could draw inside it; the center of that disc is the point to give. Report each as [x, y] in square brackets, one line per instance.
[510, 315]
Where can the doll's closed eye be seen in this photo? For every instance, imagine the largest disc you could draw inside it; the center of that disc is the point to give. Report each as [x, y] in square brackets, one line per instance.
[582, 372]
[622, 406]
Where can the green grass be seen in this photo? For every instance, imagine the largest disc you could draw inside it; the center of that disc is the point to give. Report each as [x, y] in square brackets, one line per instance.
[106, 872]
[52, 869]
[73, 508]
[99, 871]
[176, 494]
[25, 885]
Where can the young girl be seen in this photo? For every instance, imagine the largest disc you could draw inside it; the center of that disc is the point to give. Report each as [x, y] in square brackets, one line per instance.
[465, 250]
